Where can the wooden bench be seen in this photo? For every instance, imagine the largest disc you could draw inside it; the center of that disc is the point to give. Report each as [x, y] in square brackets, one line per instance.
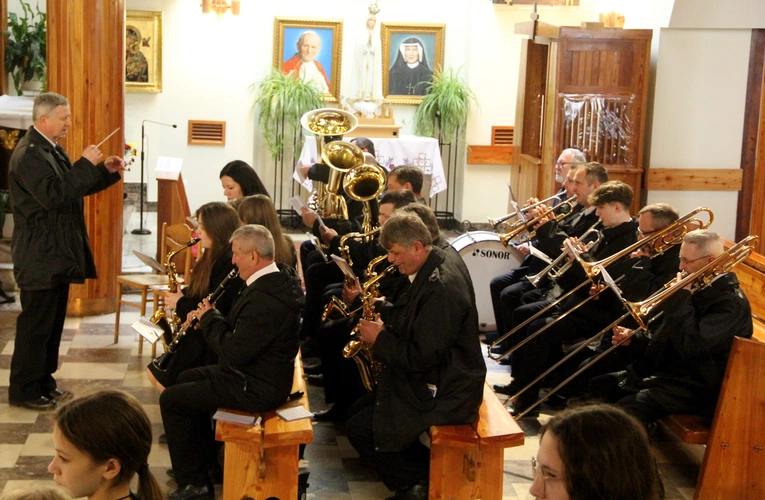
[734, 460]
[262, 461]
[467, 461]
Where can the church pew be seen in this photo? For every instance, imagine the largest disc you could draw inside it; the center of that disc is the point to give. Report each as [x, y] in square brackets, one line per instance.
[735, 455]
[262, 461]
[467, 461]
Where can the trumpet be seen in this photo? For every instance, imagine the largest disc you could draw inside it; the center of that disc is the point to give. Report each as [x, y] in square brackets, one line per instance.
[521, 227]
[499, 220]
[641, 311]
[560, 265]
[658, 242]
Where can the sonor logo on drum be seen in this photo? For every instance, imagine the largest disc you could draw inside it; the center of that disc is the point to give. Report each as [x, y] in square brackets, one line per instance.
[492, 254]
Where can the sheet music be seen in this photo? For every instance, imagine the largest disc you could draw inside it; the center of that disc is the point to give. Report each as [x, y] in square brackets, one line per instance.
[236, 418]
[148, 330]
[539, 254]
[316, 244]
[344, 267]
[609, 281]
[168, 168]
[298, 203]
[294, 413]
[150, 261]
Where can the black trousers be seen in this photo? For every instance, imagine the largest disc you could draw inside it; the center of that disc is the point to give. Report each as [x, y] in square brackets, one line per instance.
[342, 382]
[317, 277]
[38, 336]
[186, 409]
[397, 470]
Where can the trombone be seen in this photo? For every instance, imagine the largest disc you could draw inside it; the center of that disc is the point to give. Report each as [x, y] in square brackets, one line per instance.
[641, 311]
[658, 243]
[499, 220]
[520, 227]
[560, 265]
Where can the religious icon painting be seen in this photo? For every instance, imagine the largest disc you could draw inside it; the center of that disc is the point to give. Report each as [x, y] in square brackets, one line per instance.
[411, 52]
[143, 51]
[311, 48]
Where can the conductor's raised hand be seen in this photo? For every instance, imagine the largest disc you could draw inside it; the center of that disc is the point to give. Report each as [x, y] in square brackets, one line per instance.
[114, 164]
[93, 154]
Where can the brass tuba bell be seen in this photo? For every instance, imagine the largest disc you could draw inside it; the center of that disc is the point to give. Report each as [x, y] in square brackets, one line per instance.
[364, 183]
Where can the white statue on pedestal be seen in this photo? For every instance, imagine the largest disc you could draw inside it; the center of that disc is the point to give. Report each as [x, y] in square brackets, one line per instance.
[366, 93]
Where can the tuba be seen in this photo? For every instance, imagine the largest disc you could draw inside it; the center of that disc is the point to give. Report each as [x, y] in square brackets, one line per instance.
[328, 126]
[359, 351]
[170, 323]
[641, 311]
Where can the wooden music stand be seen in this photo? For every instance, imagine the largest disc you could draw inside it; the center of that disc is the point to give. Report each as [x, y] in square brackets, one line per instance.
[172, 205]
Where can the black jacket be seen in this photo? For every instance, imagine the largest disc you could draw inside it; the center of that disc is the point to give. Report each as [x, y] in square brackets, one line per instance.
[430, 337]
[258, 341]
[50, 243]
[687, 356]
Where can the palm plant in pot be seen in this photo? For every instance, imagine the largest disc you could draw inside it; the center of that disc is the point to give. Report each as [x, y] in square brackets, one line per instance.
[444, 110]
[25, 46]
[281, 100]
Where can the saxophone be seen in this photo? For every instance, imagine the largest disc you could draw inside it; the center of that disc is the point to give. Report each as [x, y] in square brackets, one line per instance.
[359, 351]
[170, 323]
[162, 361]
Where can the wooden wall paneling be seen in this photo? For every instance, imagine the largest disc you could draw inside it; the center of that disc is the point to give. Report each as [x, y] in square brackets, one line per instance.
[751, 201]
[545, 175]
[86, 64]
[490, 155]
[3, 27]
[691, 179]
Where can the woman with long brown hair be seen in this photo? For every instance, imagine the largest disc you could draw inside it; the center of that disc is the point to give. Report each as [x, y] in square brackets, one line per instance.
[217, 221]
[259, 209]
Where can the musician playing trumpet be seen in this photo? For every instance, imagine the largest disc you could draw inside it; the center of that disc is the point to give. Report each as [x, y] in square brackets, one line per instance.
[433, 371]
[680, 363]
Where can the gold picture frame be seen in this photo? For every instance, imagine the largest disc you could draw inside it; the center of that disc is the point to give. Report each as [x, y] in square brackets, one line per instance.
[328, 57]
[403, 84]
[143, 51]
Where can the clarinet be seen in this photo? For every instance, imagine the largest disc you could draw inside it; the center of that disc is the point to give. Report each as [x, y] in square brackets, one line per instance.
[163, 360]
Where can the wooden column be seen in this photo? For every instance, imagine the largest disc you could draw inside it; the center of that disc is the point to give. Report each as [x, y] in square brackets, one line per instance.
[86, 64]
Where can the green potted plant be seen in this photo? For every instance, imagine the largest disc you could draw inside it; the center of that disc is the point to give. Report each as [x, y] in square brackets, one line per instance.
[25, 46]
[281, 100]
[445, 107]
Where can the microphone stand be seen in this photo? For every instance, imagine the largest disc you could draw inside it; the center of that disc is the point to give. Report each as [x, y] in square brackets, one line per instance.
[141, 230]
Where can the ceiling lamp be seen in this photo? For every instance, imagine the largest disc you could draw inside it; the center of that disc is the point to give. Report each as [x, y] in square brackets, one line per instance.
[221, 6]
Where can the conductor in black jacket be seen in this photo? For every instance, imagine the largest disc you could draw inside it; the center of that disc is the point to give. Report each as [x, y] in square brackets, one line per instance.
[50, 243]
[432, 368]
[256, 347]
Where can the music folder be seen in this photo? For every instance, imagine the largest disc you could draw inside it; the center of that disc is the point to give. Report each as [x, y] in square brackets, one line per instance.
[150, 261]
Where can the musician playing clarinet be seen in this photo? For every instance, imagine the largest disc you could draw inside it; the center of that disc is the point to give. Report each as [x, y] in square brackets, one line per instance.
[256, 346]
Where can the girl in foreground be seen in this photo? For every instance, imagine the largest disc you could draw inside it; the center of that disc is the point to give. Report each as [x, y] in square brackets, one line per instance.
[102, 440]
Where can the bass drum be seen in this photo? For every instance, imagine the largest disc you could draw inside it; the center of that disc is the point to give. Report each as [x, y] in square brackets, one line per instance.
[485, 257]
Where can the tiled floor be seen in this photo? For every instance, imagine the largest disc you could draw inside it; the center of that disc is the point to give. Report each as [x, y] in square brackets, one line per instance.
[90, 360]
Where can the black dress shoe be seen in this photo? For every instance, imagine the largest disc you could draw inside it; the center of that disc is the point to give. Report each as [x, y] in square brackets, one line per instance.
[418, 491]
[507, 389]
[41, 403]
[192, 492]
[334, 414]
[518, 407]
[60, 396]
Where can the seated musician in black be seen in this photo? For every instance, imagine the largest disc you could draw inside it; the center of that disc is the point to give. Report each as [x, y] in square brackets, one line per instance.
[613, 200]
[681, 363]
[256, 346]
[432, 370]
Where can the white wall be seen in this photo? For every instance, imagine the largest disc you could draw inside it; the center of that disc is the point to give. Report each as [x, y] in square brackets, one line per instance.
[699, 113]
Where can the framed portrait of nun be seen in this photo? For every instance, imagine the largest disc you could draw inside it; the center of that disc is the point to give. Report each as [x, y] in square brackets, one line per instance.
[411, 53]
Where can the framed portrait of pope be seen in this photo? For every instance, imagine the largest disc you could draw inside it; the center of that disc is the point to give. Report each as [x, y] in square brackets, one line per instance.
[411, 53]
[311, 49]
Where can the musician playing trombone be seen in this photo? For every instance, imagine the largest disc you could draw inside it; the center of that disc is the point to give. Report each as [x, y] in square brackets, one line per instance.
[530, 265]
[612, 201]
[680, 363]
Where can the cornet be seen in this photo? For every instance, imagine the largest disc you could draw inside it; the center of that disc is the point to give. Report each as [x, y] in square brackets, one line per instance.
[560, 265]
[499, 220]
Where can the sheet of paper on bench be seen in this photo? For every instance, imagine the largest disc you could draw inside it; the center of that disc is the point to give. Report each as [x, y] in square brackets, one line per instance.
[148, 330]
[168, 168]
[235, 418]
[294, 413]
[344, 267]
[150, 261]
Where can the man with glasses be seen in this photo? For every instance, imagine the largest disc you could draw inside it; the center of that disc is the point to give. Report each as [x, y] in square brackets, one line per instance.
[680, 365]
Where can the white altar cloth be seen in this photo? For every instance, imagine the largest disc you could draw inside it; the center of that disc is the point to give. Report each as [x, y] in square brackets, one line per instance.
[16, 111]
[411, 150]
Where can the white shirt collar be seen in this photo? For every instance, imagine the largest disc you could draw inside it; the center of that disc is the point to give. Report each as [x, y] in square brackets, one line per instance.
[271, 268]
[46, 137]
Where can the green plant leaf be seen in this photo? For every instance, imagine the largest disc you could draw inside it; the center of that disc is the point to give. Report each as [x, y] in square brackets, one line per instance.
[445, 107]
[25, 52]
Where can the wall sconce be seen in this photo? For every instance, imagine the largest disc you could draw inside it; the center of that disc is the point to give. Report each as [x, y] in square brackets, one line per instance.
[221, 6]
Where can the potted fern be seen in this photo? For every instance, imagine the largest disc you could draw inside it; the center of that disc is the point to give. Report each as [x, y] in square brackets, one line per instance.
[25, 46]
[444, 110]
[281, 99]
